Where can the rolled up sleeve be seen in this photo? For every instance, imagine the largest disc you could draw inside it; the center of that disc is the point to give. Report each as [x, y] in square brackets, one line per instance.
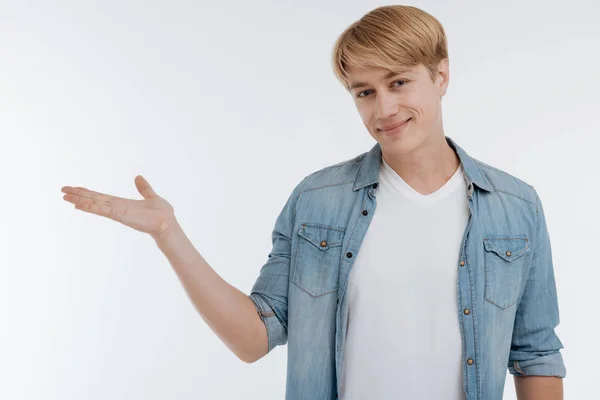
[270, 290]
[535, 347]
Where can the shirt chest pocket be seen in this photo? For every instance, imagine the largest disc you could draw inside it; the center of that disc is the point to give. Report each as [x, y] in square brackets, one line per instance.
[317, 258]
[504, 268]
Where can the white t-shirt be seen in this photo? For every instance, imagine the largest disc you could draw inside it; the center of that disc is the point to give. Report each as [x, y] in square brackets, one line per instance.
[403, 339]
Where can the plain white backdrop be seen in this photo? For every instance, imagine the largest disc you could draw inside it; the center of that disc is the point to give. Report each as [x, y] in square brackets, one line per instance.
[224, 108]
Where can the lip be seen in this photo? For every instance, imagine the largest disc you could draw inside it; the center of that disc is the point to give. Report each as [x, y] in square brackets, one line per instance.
[394, 126]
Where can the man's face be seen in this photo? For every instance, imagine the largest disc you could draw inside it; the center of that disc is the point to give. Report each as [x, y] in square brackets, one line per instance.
[401, 110]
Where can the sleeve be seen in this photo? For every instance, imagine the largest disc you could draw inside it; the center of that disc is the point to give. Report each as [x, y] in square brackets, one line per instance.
[270, 290]
[535, 347]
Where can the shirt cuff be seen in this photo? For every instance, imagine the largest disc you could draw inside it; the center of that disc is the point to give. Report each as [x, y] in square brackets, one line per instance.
[550, 365]
[276, 333]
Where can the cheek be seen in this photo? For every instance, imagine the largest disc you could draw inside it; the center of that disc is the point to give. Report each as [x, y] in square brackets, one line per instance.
[425, 109]
[421, 101]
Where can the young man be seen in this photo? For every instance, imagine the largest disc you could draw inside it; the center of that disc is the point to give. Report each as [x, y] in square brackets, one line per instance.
[411, 271]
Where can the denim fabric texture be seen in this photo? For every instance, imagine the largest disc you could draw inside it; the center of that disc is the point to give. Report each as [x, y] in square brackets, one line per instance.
[507, 300]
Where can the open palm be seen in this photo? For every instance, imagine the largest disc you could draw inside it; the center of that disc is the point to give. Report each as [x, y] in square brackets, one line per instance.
[153, 215]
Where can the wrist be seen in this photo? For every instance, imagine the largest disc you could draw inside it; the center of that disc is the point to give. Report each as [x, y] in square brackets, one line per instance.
[168, 233]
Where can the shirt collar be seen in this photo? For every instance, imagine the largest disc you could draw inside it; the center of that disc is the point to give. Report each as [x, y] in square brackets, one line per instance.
[368, 172]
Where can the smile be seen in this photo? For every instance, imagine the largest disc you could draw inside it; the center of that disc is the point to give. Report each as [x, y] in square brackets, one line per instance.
[393, 128]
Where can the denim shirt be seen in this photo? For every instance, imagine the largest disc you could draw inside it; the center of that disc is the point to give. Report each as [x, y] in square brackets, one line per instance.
[507, 301]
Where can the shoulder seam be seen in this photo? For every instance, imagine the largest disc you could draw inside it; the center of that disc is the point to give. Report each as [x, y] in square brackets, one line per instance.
[300, 186]
[518, 197]
[484, 165]
[326, 186]
[330, 167]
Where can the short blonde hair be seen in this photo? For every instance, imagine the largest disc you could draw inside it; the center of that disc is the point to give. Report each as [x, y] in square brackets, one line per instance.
[391, 37]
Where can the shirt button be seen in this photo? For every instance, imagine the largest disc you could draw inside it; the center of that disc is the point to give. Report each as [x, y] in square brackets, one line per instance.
[462, 263]
[470, 361]
[466, 311]
[349, 255]
[508, 253]
[323, 243]
[365, 212]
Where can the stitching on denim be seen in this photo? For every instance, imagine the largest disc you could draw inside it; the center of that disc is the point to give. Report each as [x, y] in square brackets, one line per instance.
[462, 332]
[473, 307]
[506, 237]
[473, 314]
[499, 253]
[514, 195]
[362, 164]
[326, 186]
[485, 288]
[309, 293]
[315, 242]
[483, 176]
[326, 226]
[295, 263]
[484, 165]
[295, 279]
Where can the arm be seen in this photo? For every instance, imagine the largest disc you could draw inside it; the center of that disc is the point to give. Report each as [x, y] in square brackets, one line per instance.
[535, 359]
[226, 310]
[539, 387]
[251, 326]
[230, 313]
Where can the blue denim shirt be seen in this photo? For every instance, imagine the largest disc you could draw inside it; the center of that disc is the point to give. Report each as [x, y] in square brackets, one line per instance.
[507, 301]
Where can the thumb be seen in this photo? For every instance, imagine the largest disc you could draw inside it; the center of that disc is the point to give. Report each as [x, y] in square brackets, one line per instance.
[144, 188]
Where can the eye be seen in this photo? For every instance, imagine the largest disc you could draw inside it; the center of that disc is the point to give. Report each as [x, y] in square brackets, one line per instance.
[364, 93]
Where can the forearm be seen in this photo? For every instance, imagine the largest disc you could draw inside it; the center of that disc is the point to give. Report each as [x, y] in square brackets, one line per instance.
[230, 313]
[539, 387]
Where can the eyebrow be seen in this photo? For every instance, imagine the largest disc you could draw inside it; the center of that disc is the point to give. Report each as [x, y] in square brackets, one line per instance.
[388, 76]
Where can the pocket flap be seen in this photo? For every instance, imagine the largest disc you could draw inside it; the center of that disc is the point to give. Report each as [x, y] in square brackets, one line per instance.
[322, 236]
[508, 247]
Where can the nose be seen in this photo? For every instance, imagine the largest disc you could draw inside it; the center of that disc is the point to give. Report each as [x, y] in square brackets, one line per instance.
[386, 105]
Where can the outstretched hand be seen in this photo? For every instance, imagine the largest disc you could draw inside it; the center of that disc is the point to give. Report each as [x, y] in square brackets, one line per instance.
[153, 215]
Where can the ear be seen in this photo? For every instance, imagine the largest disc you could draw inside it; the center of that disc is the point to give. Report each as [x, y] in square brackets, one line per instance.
[443, 77]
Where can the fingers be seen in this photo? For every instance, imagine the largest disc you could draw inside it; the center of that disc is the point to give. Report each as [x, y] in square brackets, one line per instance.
[144, 187]
[83, 192]
[95, 202]
[93, 205]
[97, 197]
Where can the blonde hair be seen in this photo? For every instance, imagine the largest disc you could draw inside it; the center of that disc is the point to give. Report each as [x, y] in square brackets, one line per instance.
[391, 37]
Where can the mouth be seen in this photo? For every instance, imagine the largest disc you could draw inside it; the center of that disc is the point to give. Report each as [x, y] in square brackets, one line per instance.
[394, 126]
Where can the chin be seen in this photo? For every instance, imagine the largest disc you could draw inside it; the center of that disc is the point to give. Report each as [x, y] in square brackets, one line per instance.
[400, 145]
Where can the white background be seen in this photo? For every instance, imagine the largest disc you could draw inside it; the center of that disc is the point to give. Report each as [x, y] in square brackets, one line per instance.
[224, 108]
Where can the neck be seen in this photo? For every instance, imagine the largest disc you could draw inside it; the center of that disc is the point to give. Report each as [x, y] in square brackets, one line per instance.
[428, 167]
